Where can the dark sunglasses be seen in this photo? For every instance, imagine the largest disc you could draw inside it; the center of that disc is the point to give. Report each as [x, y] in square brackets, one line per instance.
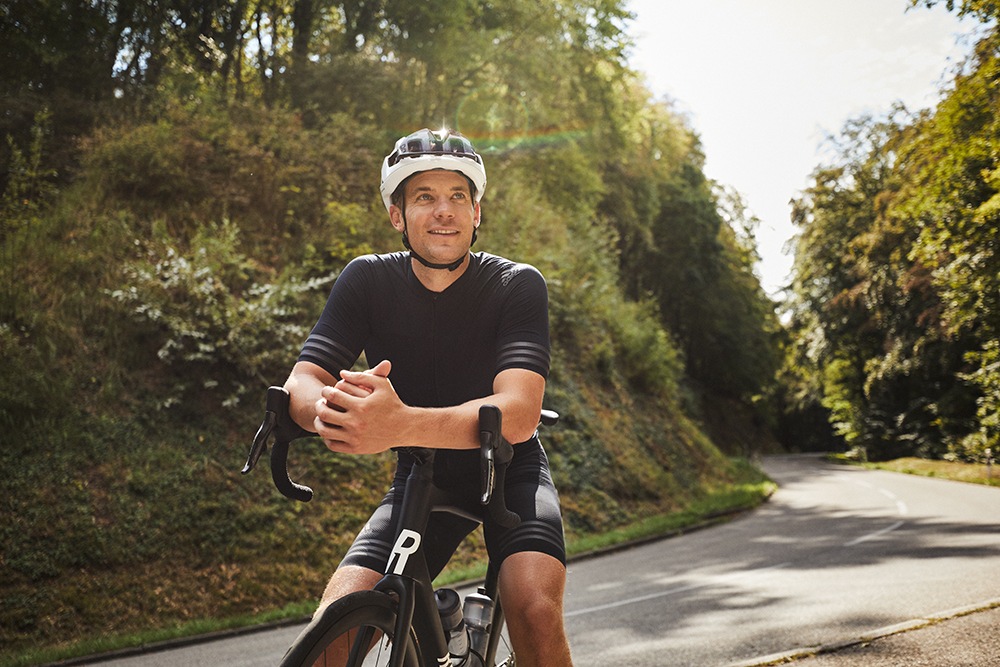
[426, 142]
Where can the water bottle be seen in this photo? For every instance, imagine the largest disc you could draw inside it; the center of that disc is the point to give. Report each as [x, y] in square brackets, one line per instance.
[478, 616]
[450, 608]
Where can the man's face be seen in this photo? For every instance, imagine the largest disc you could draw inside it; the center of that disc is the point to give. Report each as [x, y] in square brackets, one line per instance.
[440, 215]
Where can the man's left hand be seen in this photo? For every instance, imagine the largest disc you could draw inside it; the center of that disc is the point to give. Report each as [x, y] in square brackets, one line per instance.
[361, 413]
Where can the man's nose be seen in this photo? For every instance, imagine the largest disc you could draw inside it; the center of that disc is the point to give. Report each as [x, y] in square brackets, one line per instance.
[443, 209]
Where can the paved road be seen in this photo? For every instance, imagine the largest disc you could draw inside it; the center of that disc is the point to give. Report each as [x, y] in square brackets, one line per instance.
[838, 553]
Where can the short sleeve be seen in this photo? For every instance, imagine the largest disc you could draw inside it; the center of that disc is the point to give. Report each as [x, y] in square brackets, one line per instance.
[337, 340]
[523, 336]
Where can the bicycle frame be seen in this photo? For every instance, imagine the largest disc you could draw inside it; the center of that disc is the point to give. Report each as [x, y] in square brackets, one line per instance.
[407, 576]
[408, 579]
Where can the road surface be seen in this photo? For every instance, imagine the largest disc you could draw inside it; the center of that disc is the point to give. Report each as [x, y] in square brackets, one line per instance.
[836, 553]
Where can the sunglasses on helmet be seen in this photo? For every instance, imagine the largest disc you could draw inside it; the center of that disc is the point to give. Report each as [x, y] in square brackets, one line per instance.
[426, 142]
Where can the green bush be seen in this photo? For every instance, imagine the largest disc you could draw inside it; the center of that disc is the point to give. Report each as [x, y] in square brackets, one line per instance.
[216, 322]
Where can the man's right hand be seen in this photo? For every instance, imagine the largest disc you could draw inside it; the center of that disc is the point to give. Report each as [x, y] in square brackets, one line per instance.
[360, 390]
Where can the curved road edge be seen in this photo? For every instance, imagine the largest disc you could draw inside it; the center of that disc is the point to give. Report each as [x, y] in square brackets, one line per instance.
[935, 619]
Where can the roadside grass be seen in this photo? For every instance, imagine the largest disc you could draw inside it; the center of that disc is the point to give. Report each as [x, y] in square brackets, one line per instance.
[750, 489]
[973, 473]
[715, 507]
[120, 645]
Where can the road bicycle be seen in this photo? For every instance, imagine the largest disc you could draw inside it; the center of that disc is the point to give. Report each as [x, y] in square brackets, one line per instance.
[404, 622]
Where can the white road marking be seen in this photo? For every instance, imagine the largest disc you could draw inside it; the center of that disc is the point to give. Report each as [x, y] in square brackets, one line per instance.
[872, 536]
[725, 578]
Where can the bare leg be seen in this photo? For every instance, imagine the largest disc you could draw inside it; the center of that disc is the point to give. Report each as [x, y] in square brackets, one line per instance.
[531, 588]
[346, 580]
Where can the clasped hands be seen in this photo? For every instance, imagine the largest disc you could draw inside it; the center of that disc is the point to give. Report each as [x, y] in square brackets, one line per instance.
[361, 414]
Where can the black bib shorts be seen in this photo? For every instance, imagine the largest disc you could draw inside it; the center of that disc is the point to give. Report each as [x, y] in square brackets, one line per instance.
[529, 491]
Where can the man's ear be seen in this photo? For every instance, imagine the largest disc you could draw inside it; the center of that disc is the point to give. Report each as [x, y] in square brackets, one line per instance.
[396, 218]
[477, 216]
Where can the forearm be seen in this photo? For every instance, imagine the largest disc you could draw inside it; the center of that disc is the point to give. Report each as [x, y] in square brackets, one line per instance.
[518, 394]
[305, 386]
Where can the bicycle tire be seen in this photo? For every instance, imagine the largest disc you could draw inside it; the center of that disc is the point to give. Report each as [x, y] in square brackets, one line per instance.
[352, 620]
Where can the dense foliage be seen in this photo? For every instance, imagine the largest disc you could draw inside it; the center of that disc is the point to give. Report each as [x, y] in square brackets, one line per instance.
[183, 181]
[897, 274]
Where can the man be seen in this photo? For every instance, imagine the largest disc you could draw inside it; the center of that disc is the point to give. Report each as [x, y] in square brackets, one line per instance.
[451, 330]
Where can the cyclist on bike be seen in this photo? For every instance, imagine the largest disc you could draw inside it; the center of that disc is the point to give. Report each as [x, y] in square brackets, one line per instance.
[451, 330]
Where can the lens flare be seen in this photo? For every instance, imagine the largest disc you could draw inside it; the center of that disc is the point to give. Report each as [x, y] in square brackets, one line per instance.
[497, 119]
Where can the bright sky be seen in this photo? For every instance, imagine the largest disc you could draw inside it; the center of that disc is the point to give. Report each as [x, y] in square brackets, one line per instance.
[764, 81]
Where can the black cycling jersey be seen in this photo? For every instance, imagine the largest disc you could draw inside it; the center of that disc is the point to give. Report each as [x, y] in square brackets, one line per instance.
[445, 347]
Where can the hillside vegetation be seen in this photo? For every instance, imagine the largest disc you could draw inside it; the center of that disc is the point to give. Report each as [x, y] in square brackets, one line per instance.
[182, 188]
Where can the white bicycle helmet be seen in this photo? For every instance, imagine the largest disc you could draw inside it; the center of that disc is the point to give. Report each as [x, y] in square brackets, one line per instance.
[425, 150]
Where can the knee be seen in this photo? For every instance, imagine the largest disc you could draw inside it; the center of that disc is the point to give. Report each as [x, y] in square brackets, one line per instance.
[540, 614]
[532, 592]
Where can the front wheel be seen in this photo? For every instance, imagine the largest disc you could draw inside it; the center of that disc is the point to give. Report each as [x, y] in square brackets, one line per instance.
[354, 631]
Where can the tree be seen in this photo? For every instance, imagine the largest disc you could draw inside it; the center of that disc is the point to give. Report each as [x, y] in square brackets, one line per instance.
[688, 245]
[984, 10]
[896, 275]
[953, 197]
